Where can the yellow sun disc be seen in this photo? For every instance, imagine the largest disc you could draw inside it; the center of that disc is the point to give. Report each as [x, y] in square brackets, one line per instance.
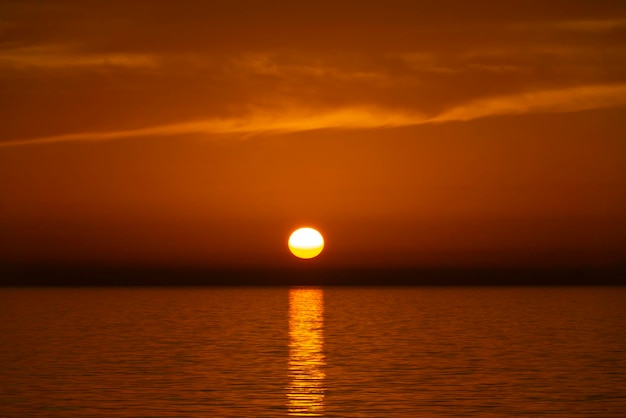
[306, 243]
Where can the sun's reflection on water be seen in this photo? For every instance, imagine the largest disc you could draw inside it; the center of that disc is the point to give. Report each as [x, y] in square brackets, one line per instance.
[305, 392]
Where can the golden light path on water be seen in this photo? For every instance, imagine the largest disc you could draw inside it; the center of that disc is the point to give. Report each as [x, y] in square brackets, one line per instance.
[305, 392]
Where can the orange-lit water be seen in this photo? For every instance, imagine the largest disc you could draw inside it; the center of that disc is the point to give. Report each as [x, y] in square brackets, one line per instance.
[337, 352]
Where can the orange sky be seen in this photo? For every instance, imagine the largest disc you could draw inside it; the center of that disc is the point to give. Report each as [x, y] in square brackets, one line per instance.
[199, 134]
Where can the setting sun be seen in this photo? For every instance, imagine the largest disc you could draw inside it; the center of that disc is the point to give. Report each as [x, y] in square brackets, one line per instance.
[306, 243]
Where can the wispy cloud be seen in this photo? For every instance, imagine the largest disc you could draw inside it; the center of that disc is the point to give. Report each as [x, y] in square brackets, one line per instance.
[57, 56]
[548, 101]
[258, 123]
[602, 25]
[72, 72]
[285, 121]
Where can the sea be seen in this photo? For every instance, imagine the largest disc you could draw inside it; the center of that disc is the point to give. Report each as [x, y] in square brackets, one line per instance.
[313, 352]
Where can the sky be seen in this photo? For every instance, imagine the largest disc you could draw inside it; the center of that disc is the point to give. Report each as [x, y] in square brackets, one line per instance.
[410, 133]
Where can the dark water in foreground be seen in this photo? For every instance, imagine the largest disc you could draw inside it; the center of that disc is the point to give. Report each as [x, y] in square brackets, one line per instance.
[342, 352]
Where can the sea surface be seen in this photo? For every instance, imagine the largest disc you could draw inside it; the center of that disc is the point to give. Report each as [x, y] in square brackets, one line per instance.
[335, 352]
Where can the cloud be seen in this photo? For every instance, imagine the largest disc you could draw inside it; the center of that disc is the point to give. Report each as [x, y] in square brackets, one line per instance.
[72, 70]
[258, 123]
[62, 57]
[286, 121]
[602, 25]
[548, 101]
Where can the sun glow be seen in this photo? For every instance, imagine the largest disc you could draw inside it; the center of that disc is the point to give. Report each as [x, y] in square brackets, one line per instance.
[306, 243]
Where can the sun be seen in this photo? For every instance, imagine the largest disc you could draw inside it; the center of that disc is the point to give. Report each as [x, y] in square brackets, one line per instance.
[306, 243]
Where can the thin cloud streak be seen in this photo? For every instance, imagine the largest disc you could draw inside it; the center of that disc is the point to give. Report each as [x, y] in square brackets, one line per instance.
[549, 101]
[349, 118]
[593, 25]
[572, 99]
[57, 56]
